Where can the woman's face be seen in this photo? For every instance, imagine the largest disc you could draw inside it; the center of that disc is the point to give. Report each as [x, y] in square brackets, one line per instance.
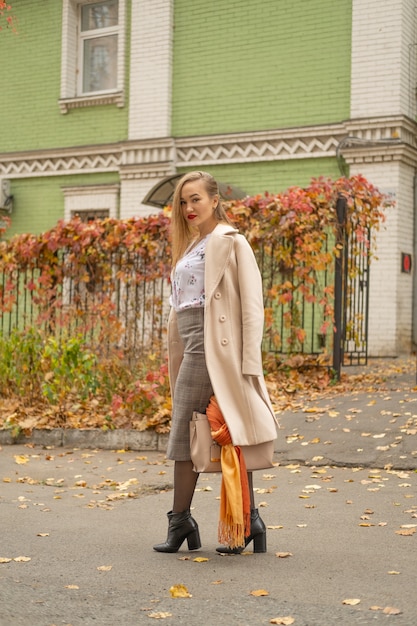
[198, 207]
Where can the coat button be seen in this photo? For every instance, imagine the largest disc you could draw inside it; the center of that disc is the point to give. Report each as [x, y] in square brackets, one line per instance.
[222, 318]
[225, 342]
[217, 295]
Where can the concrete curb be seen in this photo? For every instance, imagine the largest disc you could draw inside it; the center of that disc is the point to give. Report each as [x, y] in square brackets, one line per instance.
[90, 438]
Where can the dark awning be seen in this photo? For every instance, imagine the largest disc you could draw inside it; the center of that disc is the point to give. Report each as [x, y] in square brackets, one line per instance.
[161, 194]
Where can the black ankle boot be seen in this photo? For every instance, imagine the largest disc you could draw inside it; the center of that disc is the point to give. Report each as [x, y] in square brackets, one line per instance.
[180, 526]
[257, 535]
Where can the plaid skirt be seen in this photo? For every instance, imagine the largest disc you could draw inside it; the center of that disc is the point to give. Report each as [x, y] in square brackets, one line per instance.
[193, 388]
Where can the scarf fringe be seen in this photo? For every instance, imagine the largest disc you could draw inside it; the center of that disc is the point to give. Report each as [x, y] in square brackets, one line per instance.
[231, 534]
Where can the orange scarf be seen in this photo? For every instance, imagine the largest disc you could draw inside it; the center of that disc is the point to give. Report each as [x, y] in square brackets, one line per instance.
[234, 522]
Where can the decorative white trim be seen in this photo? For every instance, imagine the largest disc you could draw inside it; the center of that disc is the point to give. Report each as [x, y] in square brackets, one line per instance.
[376, 140]
[65, 104]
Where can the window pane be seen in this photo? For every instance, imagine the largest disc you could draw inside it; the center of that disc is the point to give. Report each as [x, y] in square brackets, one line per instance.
[99, 15]
[100, 64]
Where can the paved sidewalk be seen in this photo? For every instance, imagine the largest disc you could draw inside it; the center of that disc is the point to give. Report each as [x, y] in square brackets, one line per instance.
[375, 427]
[370, 428]
[78, 525]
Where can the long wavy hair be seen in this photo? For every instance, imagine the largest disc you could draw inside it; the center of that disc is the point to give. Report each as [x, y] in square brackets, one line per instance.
[182, 231]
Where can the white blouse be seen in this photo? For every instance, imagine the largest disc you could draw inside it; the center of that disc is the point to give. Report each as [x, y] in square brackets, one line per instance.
[187, 278]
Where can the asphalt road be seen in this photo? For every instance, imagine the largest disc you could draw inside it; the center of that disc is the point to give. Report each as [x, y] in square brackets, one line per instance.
[87, 520]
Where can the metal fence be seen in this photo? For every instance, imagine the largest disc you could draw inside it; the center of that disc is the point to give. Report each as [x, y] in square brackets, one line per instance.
[126, 307]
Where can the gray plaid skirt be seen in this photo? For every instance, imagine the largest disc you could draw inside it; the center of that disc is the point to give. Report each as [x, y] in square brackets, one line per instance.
[193, 387]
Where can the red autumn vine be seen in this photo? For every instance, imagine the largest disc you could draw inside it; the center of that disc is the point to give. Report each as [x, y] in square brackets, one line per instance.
[6, 17]
[83, 283]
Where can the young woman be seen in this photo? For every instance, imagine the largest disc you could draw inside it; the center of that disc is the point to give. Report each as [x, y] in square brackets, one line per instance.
[215, 332]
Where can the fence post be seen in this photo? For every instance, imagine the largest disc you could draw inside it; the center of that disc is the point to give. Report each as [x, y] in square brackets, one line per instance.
[338, 285]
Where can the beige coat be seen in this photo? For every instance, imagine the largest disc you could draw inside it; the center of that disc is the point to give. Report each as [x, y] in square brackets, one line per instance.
[233, 330]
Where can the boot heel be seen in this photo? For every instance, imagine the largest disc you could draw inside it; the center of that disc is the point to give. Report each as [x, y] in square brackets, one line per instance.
[259, 542]
[193, 540]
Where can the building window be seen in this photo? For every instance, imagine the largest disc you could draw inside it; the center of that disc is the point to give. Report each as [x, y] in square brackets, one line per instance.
[90, 202]
[93, 43]
[98, 46]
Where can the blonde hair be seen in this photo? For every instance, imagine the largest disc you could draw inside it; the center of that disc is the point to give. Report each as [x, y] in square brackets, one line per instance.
[182, 231]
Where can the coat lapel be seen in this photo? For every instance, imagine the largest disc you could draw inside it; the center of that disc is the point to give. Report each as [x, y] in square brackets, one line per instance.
[218, 251]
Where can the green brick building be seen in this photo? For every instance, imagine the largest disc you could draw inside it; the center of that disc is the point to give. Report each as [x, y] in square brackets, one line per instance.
[102, 100]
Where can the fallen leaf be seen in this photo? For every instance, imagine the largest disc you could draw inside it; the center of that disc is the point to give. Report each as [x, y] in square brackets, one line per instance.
[284, 621]
[391, 610]
[4, 559]
[259, 592]
[22, 559]
[159, 615]
[71, 587]
[201, 559]
[21, 459]
[42, 535]
[179, 591]
[105, 568]
[351, 601]
[283, 555]
[393, 572]
[405, 532]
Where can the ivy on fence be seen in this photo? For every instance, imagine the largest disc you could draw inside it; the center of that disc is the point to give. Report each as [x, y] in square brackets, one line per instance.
[98, 286]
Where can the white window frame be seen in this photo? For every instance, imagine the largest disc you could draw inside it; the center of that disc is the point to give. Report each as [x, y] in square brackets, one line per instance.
[88, 198]
[71, 61]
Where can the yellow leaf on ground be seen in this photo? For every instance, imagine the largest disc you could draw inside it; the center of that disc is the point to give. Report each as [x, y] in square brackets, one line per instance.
[405, 531]
[259, 592]
[351, 601]
[159, 615]
[21, 459]
[283, 555]
[4, 559]
[22, 559]
[105, 568]
[391, 610]
[179, 591]
[71, 587]
[201, 559]
[285, 621]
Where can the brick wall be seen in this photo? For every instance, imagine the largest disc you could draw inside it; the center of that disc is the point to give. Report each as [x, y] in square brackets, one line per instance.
[31, 81]
[382, 62]
[243, 65]
[151, 69]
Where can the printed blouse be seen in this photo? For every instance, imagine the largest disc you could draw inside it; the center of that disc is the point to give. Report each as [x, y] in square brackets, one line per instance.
[188, 278]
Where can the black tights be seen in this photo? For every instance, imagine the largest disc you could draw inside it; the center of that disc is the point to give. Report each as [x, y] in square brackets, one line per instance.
[185, 480]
